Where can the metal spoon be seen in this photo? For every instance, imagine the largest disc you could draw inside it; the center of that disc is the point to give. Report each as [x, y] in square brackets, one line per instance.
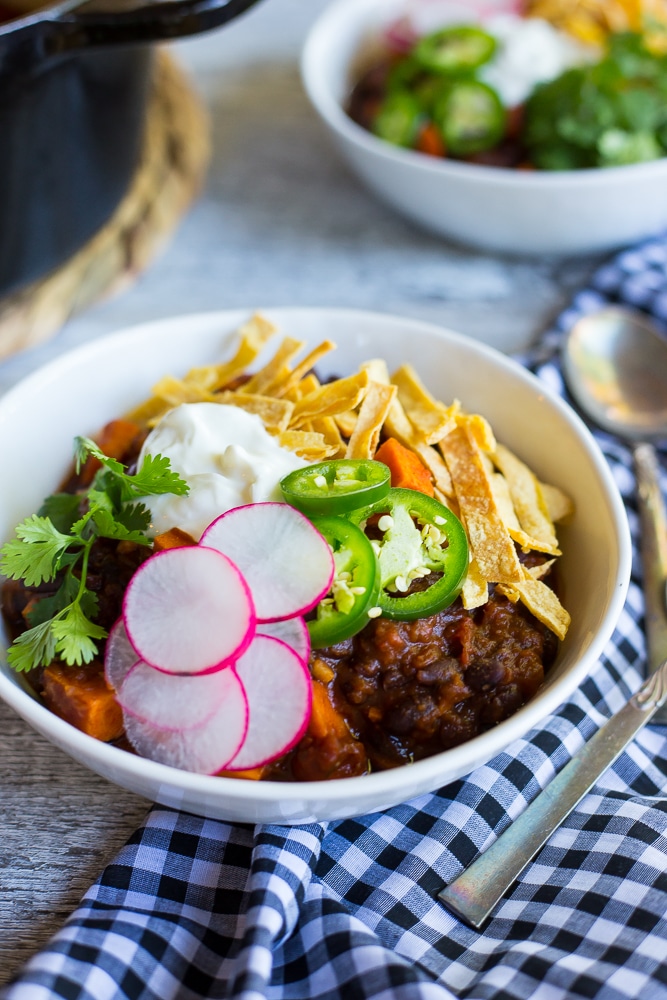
[616, 367]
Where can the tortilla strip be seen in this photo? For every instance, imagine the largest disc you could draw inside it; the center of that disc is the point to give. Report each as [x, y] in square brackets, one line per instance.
[541, 601]
[489, 540]
[334, 397]
[275, 413]
[372, 415]
[253, 337]
[479, 429]
[275, 370]
[283, 385]
[175, 391]
[148, 413]
[528, 501]
[398, 425]
[559, 505]
[475, 590]
[307, 444]
[327, 427]
[431, 419]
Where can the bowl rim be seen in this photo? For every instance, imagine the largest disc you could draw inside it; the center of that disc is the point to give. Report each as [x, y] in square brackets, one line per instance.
[335, 791]
[319, 39]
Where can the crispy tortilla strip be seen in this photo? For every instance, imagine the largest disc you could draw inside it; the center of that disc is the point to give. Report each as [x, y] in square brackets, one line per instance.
[559, 505]
[539, 572]
[332, 398]
[148, 413]
[475, 590]
[327, 427]
[541, 601]
[528, 501]
[275, 413]
[503, 498]
[489, 540]
[175, 391]
[293, 377]
[372, 414]
[303, 388]
[275, 370]
[430, 419]
[253, 337]
[398, 425]
[479, 429]
[346, 422]
[306, 444]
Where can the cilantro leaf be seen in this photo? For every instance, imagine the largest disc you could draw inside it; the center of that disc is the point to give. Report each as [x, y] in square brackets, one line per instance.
[34, 648]
[62, 509]
[75, 634]
[155, 477]
[83, 447]
[109, 526]
[33, 556]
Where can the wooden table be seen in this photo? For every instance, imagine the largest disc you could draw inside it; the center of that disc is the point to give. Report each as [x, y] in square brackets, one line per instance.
[281, 222]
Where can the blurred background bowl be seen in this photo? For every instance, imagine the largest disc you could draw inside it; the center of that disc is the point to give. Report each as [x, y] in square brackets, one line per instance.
[489, 208]
[80, 391]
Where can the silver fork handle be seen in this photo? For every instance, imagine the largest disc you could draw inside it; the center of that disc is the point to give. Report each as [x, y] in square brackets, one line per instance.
[475, 894]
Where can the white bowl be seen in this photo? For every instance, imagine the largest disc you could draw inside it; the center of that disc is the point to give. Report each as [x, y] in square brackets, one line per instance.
[80, 391]
[494, 209]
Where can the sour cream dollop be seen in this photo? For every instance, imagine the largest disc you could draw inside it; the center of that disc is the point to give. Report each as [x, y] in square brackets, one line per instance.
[530, 51]
[226, 456]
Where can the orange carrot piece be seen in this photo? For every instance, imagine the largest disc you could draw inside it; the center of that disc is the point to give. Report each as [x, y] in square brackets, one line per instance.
[175, 538]
[82, 697]
[324, 718]
[115, 439]
[430, 141]
[407, 469]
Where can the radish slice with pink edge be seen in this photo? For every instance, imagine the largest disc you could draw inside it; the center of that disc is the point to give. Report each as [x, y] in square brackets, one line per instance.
[279, 690]
[292, 631]
[171, 701]
[204, 749]
[188, 611]
[286, 561]
[119, 655]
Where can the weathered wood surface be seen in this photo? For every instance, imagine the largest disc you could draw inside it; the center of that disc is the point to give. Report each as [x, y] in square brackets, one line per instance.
[282, 222]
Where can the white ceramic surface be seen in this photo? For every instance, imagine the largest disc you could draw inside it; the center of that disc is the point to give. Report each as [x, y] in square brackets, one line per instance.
[569, 212]
[103, 379]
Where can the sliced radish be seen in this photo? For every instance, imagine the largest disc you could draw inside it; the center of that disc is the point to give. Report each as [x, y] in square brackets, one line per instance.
[279, 692]
[119, 655]
[171, 701]
[188, 610]
[292, 631]
[204, 749]
[287, 563]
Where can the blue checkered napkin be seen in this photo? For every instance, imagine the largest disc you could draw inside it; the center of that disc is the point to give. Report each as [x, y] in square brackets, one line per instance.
[196, 908]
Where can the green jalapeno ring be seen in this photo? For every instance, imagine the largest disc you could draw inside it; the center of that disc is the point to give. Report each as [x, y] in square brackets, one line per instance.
[456, 50]
[470, 116]
[337, 486]
[343, 612]
[407, 549]
[399, 119]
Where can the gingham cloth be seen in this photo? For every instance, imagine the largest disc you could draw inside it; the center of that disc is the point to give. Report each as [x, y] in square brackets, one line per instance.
[196, 908]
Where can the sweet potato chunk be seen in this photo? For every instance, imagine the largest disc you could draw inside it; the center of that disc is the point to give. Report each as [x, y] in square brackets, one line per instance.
[82, 697]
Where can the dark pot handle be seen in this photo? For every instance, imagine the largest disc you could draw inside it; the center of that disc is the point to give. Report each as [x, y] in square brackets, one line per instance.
[70, 26]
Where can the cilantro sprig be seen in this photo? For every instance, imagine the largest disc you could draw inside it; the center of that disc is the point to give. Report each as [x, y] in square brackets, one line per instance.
[607, 114]
[57, 541]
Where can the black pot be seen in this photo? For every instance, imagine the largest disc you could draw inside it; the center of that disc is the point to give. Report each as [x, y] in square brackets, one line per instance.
[73, 89]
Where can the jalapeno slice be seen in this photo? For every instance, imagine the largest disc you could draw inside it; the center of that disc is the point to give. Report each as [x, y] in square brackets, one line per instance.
[355, 588]
[418, 536]
[456, 50]
[336, 487]
[470, 116]
[399, 119]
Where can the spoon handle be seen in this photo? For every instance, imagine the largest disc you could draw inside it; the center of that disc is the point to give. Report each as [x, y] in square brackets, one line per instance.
[653, 521]
[474, 894]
